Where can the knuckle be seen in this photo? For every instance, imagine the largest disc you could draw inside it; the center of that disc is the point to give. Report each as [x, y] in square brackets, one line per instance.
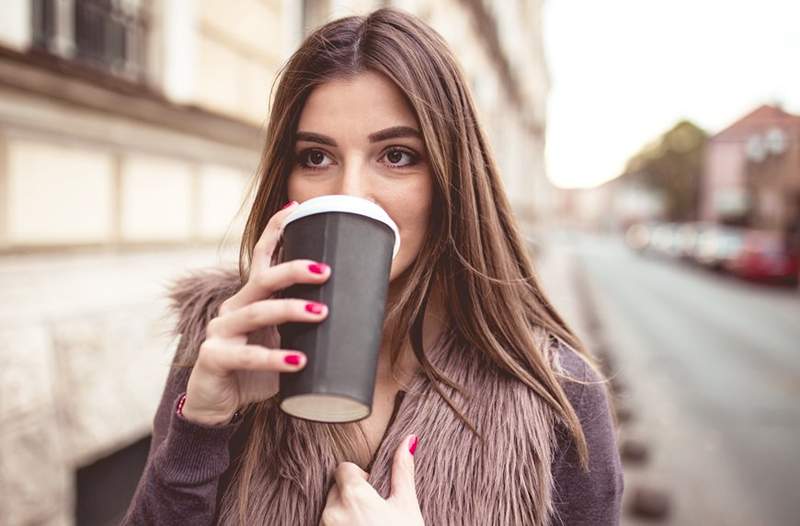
[274, 223]
[263, 279]
[212, 327]
[300, 266]
[295, 308]
[253, 312]
[248, 359]
[353, 493]
[289, 308]
[206, 348]
[206, 344]
[332, 517]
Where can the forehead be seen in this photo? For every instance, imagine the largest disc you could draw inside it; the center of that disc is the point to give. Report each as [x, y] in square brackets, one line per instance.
[363, 103]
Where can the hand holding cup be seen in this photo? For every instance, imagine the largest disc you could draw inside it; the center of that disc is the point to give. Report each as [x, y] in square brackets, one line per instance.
[229, 371]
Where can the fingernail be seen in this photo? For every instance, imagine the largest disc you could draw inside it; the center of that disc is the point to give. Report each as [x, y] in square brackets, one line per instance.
[318, 268]
[292, 359]
[314, 308]
[287, 205]
[413, 444]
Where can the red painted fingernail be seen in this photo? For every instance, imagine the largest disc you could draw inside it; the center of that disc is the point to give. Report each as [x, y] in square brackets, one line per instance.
[287, 205]
[292, 359]
[413, 445]
[314, 308]
[318, 268]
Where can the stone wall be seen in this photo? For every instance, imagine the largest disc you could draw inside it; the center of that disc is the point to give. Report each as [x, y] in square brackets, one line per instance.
[85, 346]
[108, 190]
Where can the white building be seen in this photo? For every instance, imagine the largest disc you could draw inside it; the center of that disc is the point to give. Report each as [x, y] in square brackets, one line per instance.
[129, 132]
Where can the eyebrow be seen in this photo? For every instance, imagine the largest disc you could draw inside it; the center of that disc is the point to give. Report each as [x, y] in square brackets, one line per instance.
[394, 132]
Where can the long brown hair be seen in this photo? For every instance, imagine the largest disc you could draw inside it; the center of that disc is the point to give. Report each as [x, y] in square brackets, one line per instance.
[473, 250]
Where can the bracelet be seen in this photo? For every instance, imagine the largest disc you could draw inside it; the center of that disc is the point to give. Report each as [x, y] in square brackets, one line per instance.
[182, 402]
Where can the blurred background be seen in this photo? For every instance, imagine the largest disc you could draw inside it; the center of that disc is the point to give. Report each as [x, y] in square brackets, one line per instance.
[651, 151]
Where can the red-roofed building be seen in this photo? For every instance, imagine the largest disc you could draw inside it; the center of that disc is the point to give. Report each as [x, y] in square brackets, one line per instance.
[752, 171]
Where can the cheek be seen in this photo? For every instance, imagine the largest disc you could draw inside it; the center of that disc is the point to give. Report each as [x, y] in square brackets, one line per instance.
[412, 219]
[296, 191]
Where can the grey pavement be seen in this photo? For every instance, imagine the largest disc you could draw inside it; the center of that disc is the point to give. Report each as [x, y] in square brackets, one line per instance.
[712, 367]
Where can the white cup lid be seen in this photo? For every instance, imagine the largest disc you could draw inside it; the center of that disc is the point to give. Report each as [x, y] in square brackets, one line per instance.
[349, 204]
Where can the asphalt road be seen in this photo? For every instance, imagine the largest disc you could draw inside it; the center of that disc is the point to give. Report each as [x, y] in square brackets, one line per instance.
[713, 369]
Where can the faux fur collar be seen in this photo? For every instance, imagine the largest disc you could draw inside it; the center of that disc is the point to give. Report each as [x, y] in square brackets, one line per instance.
[506, 480]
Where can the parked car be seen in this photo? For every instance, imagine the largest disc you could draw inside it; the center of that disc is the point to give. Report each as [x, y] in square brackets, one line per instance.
[687, 239]
[764, 257]
[717, 245]
[664, 239]
[637, 236]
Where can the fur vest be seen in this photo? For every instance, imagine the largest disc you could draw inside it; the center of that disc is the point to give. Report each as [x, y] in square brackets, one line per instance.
[505, 480]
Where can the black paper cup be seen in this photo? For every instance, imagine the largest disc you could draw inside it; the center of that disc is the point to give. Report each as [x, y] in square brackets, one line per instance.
[358, 239]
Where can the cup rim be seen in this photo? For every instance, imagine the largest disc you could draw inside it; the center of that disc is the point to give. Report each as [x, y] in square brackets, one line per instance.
[348, 204]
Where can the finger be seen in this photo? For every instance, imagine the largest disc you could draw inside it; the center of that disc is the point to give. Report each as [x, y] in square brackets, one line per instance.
[265, 283]
[223, 357]
[349, 475]
[403, 484]
[332, 509]
[262, 252]
[361, 473]
[333, 496]
[260, 314]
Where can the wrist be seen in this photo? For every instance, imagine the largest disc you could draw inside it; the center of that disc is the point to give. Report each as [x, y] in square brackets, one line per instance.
[185, 410]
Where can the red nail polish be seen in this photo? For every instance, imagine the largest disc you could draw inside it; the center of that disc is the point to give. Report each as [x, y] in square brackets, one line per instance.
[314, 308]
[292, 359]
[287, 205]
[413, 445]
[317, 268]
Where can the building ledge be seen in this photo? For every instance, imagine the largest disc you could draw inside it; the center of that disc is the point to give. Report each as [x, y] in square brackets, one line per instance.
[52, 77]
[120, 247]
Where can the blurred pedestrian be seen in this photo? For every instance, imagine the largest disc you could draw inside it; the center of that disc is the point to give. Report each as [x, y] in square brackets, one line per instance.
[487, 408]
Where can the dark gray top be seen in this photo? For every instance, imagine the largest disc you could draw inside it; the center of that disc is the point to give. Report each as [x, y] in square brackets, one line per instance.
[187, 467]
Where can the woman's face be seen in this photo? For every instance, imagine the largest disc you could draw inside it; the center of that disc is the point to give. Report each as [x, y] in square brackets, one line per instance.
[358, 136]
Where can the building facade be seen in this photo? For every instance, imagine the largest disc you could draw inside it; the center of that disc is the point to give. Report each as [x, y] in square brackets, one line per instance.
[130, 134]
[752, 171]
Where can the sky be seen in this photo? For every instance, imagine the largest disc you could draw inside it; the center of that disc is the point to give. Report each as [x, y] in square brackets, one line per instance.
[625, 71]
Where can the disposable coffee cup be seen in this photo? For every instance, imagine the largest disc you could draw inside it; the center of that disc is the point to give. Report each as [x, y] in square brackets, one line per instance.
[359, 240]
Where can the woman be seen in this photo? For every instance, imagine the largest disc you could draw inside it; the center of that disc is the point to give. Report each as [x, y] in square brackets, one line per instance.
[487, 409]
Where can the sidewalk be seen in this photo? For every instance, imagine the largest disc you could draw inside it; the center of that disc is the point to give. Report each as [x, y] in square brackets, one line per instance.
[683, 458]
[558, 268]
[555, 265]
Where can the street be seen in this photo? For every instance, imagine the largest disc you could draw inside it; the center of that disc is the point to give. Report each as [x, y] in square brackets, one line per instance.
[711, 367]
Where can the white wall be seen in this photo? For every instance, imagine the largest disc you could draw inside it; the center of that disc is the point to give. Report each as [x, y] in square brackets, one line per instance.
[15, 25]
[58, 194]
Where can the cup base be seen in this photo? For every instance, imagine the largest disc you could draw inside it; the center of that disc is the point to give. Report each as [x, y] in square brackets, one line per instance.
[324, 407]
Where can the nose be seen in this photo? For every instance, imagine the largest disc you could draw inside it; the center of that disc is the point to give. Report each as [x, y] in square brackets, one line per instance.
[354, 181]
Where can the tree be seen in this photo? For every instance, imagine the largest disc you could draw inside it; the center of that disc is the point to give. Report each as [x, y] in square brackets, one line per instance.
[673, 165]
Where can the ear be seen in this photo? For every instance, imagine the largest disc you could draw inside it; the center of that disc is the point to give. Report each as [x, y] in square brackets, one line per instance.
[403, 484]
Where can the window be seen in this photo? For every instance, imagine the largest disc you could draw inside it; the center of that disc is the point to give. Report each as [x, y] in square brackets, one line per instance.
[108, 35]
[315, 13]
[44, 23]
[105, 488]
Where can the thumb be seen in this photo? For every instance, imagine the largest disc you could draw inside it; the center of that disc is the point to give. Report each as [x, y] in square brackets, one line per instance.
[403, 485]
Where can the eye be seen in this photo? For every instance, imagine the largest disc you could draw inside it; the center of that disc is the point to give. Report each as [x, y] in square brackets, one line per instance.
[399, 158]
[313, 159]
